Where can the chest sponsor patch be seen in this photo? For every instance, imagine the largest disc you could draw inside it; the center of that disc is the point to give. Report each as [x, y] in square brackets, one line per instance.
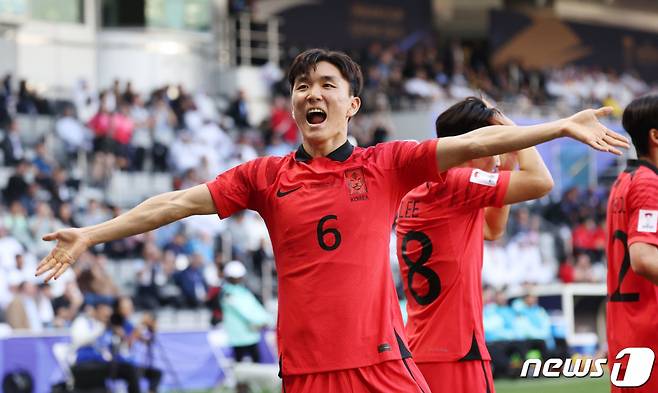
[647, 221]
[479, 176]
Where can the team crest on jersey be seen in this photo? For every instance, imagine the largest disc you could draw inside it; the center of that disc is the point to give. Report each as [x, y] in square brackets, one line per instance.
[356, 184]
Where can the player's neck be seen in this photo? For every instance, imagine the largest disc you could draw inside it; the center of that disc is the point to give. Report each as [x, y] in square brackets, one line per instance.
[323, 148]
[652, 157]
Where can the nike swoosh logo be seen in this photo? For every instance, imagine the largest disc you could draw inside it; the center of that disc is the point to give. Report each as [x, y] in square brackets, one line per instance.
[280, 193]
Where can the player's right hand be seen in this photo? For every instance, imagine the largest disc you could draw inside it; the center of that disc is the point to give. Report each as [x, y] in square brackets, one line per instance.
[71, 243]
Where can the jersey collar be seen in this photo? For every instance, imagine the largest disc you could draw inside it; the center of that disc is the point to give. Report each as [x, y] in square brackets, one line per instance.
[637, 163]
[340, 154]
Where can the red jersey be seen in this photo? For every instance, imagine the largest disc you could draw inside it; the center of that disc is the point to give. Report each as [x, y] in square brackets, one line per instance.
[632, 216]
[330, 220]
[440, 241]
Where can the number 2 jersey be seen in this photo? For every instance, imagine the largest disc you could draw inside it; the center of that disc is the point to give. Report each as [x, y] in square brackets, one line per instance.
[632, 216]
[440, 242]
[330, 220]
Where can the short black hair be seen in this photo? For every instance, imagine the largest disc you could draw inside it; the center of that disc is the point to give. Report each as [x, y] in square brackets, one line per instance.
[349, 69]
[465, 116]
[640, 116]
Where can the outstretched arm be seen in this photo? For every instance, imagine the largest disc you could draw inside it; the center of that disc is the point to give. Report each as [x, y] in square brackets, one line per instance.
[488, 141]
[153, 213]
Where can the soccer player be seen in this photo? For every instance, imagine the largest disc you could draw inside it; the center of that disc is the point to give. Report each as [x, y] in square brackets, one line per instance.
[329, 208]
[441, 229]
[632, 250]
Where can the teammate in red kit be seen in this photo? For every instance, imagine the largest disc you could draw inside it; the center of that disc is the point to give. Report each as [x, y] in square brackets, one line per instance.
[440, 232]
[632, 223]
[329, 208]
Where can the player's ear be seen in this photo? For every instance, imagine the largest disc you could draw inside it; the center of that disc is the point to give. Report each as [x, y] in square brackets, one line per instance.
[653, 136]
[355, 104]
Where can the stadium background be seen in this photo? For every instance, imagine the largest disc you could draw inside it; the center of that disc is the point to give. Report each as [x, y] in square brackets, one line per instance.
[193, 87]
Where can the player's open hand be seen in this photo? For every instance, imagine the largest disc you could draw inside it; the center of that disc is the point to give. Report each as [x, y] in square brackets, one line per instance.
[584, 126]
[71, 243]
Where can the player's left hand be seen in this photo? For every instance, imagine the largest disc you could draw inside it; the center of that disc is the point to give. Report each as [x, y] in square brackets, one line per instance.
[585, 127]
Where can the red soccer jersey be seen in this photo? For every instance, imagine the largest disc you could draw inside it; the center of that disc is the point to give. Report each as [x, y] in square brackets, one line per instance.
[330, 220]
[632, 216]
[439, 244]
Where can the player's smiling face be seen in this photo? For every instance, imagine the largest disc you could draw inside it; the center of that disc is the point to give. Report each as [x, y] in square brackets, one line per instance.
[322, 104]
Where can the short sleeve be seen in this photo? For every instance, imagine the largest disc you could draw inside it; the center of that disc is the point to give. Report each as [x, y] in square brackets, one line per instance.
[235, 189]
[475, 188]
[414, 163]
[642, 206]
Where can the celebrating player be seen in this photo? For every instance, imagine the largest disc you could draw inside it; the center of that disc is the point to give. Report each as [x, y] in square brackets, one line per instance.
[440, 232]
[632, 220]
[329, 208]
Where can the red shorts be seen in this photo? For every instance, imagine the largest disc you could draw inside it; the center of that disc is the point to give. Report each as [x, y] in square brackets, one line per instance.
[393, 376]
[469, 376]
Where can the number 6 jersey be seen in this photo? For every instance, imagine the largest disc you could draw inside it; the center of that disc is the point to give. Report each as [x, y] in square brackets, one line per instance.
[632, 216]
[440, 243]
[330, 221]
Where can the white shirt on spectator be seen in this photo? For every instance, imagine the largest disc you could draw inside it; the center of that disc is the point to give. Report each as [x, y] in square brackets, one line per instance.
[74, 134]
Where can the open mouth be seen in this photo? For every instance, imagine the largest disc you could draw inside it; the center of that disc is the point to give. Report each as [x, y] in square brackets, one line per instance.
[316, 116]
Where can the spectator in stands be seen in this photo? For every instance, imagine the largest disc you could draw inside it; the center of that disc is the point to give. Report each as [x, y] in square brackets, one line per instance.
[499, 333]
[192, 283]
[121, 132]
[73, 133]
[150, 278]
[127, 335]
[17, 225]
[163, 121]
[43, 161]
[277, 146]
[422, 87]
[100, 125]
[282, 122]
[582, 270]
[94, 281]
[95, 213]
[142, 138]
[65, 215]
[214, 297]
[62, 187]
[496, 264]
[21, 270]
[44, 304]
[92, 341]
[85, 101]
[9, 248]
[42, 223]
[244, 316]
[5, 96]
[12, 147]
[533, 324]
[26, 100]
[239, 111]
[67, 305]
[179, 245]
[22, 311]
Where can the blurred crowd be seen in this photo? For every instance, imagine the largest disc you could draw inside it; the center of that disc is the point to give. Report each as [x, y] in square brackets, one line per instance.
[399, 77]
[557, 241]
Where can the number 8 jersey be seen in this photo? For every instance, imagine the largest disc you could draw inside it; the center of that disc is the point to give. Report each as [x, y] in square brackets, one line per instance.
[632, 309]
[330, 221]
[440, 242]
